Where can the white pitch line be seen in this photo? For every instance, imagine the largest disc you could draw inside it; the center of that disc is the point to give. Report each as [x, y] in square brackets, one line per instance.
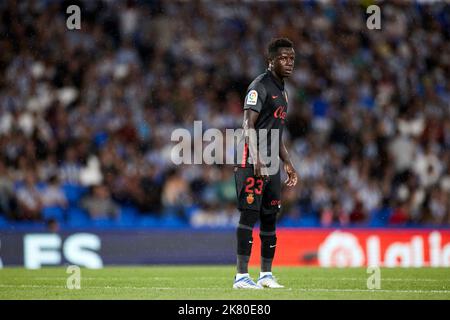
[100, 278]
[229, 289]
[374, 291]
[382, 279]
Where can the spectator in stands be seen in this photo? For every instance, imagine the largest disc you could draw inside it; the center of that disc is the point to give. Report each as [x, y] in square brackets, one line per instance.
[399, 216]
[7, 199]
[334, 215]
[29, 199]
[175, 193]
[53, 226]
[367, 110]
[99, 204]
[358, 215]
[53, 195]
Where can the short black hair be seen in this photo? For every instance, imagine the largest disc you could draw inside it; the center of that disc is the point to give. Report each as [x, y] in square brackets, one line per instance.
[277, 43]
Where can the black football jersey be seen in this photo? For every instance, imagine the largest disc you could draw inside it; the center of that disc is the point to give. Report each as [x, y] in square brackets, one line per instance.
[267, 96]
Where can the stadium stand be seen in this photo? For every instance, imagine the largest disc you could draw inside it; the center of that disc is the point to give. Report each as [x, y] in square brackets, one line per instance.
[86, 115]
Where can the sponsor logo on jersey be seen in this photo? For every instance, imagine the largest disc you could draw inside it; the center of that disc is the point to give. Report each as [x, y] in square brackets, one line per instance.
[280, 113]
[275, 203]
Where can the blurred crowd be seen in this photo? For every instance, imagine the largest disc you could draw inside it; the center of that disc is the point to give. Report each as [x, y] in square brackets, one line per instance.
[93, 110]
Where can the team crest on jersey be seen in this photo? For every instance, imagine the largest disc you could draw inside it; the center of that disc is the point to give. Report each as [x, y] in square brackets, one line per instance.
[250, 198]
[252, 98]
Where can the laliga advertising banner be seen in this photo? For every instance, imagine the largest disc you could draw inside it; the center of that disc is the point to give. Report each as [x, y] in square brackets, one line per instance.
[359, 247]
[295, 247]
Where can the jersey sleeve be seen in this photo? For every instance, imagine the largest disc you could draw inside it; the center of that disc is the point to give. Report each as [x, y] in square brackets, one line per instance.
[255, 98]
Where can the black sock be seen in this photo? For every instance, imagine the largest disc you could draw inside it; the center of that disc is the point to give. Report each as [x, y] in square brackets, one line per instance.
[242, 263]
[244, 236]
[266, 264]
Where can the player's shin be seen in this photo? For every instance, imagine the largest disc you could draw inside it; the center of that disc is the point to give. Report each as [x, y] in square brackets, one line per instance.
[268, 238]
[244, 248]
[268, 246]
[245, 239]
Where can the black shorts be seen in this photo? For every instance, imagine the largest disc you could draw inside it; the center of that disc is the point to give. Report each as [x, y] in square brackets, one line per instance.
[257, 194]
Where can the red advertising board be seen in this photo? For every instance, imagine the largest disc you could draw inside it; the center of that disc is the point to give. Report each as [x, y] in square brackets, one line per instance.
[359, 247]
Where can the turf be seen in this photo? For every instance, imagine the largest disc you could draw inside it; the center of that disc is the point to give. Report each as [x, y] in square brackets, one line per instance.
[214, 282]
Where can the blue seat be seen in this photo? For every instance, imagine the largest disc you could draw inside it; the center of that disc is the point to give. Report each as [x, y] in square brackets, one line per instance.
[128, 214]
[100, 139]
[380, 218]
[73, 192]
[3, 221]
[148, 221]
[309, 221]
[288, 222]
[172, 221]
[53, 212]
[28, 225]
[77, 217]
[103, 223]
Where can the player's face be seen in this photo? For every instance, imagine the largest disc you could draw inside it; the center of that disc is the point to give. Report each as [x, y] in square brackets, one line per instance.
[283, 63]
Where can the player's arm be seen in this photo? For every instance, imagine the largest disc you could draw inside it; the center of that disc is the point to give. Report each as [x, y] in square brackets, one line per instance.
[254, 101]
[292, 179]
[250, 117]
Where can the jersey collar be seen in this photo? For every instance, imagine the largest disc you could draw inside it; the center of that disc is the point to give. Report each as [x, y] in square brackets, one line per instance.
[279, 84]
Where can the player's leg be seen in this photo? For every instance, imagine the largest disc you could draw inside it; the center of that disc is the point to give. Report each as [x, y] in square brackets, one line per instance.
[268, 238]
[249, 204]
[244, 234]
[269, 212]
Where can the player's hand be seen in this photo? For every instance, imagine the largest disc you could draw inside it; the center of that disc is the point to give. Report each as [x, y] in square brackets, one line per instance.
[292, 178]
[260, 170]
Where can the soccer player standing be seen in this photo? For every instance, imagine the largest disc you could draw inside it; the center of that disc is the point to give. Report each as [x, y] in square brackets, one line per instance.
[258, 190]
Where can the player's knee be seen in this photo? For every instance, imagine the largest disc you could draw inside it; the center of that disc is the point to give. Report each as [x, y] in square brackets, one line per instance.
[268, 239]
[267, 235]
[248, 220]
[268, 223]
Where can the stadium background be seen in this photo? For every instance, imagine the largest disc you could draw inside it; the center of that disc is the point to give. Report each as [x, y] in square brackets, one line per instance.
[86, 117]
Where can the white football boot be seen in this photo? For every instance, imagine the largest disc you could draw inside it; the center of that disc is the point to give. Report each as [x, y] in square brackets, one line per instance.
[245, 282]
[269, 281]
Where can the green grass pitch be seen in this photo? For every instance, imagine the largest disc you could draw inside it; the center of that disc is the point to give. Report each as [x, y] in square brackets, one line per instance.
[214, 282]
